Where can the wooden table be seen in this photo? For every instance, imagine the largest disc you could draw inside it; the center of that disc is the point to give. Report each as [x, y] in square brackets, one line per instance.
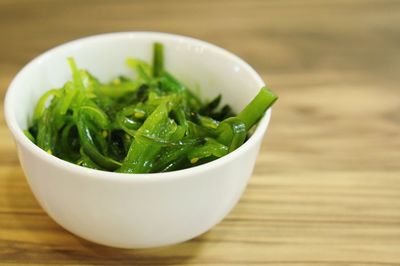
[326, 187]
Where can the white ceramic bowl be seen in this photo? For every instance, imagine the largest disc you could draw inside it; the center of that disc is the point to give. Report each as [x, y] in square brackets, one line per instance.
[136, 210]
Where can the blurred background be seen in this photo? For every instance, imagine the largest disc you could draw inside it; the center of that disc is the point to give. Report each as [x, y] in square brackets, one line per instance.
[326, 187]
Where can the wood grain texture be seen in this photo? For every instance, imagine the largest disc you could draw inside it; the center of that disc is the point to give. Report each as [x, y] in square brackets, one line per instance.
[326, 187]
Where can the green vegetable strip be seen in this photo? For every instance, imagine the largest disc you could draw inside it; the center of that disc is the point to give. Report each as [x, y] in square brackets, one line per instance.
[250, 114]
[45, 136]
[95, 114]
[67, 144]
[257, 107]
[69, 92]
[170, 157]
[142, 153]
[127, 124]
[179, 163]
[210, 148]
[208, 122]
[142, 69]
[76, 76]
[41, 105]
[29, 135]
[87, 162]
[158, 59]
[180, 116]
[90, 149]
[237, 128]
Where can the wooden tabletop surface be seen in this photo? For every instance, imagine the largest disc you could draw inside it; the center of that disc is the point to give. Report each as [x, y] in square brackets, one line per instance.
[326, 186]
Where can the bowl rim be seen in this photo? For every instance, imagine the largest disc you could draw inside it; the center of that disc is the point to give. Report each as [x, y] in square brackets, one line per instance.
[22, 140]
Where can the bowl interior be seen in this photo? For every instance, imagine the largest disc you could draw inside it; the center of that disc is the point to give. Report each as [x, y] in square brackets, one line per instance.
[205, 68]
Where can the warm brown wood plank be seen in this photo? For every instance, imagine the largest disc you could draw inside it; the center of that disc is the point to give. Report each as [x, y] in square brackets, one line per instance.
[326, 188]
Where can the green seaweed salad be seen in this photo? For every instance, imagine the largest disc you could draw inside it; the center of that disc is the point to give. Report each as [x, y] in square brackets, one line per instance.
[152, 123]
